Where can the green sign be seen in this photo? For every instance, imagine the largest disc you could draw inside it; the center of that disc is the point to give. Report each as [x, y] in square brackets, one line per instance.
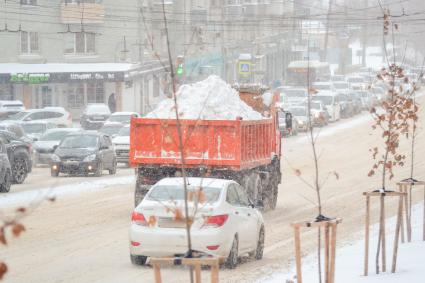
[29, 78]
[180, 69]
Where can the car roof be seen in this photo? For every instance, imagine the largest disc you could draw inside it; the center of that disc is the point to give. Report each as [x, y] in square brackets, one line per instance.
[123, 113]
[6, 102]
[194, 181]
[87, 133]
[324, 93]
[37, 122]
[322, 83]
[112, 124]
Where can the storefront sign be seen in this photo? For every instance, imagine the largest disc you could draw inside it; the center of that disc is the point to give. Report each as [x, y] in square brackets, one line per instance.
[29, 78]
[40, 78]
[92, 76]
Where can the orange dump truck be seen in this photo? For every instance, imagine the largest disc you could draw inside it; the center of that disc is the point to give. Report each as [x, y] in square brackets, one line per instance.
[247, 151]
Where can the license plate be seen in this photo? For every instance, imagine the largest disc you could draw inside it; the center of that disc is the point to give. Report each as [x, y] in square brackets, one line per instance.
[72, 163]
[97, 118]
[165, 222]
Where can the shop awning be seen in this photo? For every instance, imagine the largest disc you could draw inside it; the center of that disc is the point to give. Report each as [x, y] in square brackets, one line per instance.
[63, 72]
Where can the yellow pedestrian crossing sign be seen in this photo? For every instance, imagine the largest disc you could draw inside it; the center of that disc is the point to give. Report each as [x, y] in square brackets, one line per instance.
[245, 68]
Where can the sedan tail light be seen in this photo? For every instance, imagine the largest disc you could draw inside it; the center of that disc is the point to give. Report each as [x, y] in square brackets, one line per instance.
[215, 221]
[138, 219]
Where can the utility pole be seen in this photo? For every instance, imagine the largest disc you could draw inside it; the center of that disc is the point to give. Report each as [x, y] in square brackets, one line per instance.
[325, 51]
[364, 30]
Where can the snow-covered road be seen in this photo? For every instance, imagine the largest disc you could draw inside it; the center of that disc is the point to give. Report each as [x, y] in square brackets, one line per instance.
[83, 236]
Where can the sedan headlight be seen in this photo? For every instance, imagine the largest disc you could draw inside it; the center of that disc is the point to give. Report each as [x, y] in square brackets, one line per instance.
[55, 158]
[90, 157]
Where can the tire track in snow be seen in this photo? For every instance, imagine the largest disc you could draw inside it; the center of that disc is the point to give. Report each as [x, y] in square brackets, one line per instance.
[26, 197]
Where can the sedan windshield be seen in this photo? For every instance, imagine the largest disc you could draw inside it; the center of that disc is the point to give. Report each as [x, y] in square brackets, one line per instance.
[298, 111]
[316, 105]
[34, 128]
[341, 85]
[18, 116]
[54, 136]
[79, 141]
[110, 130]
[327, 100]
[295, 93]
[176, 193]
[322, 87]
[124, 132]
[98, 109]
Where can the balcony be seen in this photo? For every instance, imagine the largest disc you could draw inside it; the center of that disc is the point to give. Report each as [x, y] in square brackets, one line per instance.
[89, 13]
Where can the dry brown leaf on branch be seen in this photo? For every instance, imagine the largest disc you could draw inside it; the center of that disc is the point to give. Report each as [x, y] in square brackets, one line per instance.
[21, 209]
[3, 269]
[152, 221]
[17, 229]
[178, 215]
[3, 236]
[371, 173]
[297, 172]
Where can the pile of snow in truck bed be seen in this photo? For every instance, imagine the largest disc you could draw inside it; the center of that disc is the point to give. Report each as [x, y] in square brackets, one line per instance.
[210, 99]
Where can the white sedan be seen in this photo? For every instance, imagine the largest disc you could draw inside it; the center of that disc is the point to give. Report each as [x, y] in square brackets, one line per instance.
[225, 223]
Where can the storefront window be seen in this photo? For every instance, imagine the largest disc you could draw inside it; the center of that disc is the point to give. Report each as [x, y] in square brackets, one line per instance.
[75, 95]
[6, 92]
[95, 92]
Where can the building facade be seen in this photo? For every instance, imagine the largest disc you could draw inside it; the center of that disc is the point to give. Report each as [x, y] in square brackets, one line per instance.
[73, 52]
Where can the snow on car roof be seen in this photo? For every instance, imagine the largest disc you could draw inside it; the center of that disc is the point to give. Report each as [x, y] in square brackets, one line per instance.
[123, 113]
[321, 83]
[210, 182]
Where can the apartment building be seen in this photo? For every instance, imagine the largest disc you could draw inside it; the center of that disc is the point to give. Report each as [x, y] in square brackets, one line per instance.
[73, 52]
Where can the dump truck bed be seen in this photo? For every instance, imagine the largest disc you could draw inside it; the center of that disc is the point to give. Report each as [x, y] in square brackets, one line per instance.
[227, 144]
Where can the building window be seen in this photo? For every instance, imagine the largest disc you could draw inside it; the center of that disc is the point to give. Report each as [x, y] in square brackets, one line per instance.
[83, 1]
[95, 92]
[29, 2]
[29, 42]
[155, 86]
[80, 43]
[75, 95]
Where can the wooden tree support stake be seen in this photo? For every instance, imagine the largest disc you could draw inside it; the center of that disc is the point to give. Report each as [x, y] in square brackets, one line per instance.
[196, 263]
[406, 187]
[329, 228]
[368, 195]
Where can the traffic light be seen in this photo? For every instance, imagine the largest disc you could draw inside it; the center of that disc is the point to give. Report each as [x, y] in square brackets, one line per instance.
[180, 69]
[180, 65]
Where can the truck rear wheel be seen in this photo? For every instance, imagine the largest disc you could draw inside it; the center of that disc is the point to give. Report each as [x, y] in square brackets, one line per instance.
[270, 194]
[253, 187]
[139, 193]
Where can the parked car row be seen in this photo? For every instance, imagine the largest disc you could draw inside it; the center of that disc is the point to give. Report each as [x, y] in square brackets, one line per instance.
[33, 137]
[341, 97]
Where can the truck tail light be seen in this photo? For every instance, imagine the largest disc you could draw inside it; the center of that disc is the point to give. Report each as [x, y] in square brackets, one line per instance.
[138, 219]
[215, 221]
